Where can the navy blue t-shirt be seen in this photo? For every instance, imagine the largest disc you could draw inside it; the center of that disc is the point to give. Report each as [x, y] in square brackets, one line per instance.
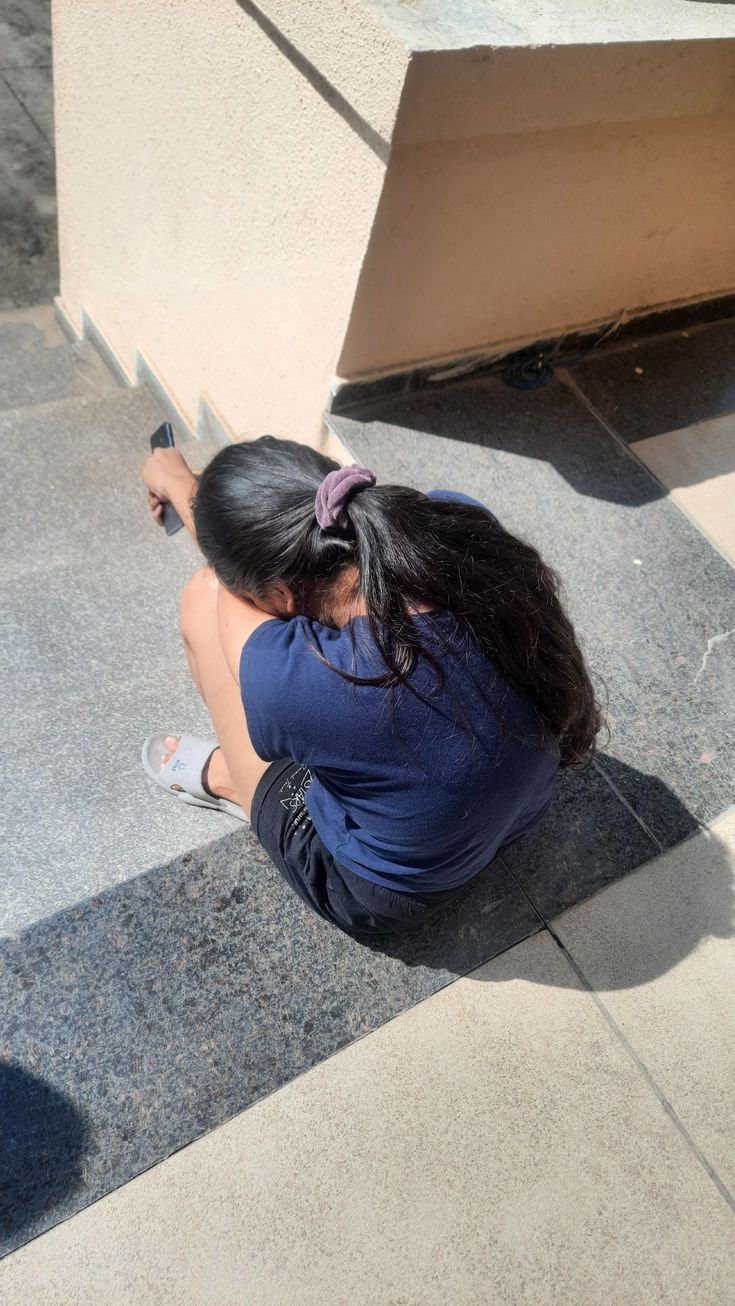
[404, 796]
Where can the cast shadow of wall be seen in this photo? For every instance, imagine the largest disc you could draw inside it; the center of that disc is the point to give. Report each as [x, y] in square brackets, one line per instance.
[589, 841]
[549, 424]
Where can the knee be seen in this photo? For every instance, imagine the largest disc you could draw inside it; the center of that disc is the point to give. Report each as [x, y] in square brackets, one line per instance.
[198, 603]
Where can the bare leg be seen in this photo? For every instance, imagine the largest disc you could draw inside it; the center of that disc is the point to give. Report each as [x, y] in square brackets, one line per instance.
[235, 768]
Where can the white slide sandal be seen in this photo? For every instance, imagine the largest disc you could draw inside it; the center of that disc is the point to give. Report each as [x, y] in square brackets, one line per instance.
[182, 774]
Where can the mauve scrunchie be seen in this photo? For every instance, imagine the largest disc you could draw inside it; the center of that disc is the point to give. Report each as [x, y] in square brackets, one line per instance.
[334, 492]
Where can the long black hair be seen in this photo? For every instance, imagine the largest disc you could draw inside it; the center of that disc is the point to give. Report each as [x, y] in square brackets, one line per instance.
[255, 524]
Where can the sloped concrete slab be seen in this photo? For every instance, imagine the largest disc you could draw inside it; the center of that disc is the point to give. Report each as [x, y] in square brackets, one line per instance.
[697, 466]
[432, 25]
[494, 1144]
[659, 947]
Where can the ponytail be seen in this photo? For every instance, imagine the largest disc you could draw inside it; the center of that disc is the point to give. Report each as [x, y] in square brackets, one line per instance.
[255, 519]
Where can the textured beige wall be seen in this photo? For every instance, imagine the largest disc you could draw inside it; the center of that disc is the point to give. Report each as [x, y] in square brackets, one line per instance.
[225, 206]
[534, 191]
[214, 205]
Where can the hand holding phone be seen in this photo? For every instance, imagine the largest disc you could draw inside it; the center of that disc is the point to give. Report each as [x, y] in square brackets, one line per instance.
[163, 438]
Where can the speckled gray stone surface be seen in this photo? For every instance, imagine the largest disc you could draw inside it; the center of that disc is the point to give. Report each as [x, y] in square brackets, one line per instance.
[25, 33]
[139, 1019]
[90, 655]
[659, 385]
[646, 590]
[29, 264]
[159, 976]
[38, 366]
[589, 838]
[143, 1017]
[33, 87]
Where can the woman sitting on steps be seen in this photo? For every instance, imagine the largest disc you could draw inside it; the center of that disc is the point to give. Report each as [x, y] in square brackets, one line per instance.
[392, 679]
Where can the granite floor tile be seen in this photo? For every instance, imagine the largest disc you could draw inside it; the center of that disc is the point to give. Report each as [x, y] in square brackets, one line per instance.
[140, 1019]
[587, 839]
[29, 265]
[25, 33]
[34, 88]
[494, 1144]
[90, 657]
[659, 947]
[650, 800]
[646, 590]
[82, 814]
[697, 466]
[32, 371]
[651, 386]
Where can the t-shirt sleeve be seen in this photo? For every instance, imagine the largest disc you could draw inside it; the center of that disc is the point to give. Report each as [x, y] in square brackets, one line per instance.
[458, 497]
[286, 691]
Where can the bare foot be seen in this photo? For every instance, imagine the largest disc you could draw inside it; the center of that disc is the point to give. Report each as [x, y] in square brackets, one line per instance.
[215, 775]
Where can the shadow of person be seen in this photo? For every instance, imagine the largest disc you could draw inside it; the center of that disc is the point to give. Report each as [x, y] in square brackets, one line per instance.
[43, 1139]
[589, 841]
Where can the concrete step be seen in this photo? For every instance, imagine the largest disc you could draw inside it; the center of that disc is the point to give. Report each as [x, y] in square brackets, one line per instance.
[89, 655]
[38, 364]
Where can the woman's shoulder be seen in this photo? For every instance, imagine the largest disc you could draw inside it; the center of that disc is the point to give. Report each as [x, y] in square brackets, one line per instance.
[313, 643]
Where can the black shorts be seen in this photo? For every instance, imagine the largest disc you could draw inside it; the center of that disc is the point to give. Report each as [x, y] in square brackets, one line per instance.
[281, 822]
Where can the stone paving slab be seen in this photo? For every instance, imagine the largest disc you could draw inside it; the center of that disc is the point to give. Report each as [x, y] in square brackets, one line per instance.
[174, 979]
[494, 1144]
[25, 33]
[588, 838]
[657, 385]
[34, 88]
[90, 652]
[29, 263]
[147, 1015]
[697, 466]
[38, 365]
[659, 946]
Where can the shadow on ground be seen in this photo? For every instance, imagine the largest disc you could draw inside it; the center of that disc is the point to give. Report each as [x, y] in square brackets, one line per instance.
[549, 425]
[44, 1141]
[564, 861]
[140, 1019]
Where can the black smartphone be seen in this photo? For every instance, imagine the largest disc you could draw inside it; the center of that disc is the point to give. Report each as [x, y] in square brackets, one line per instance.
[163, 438]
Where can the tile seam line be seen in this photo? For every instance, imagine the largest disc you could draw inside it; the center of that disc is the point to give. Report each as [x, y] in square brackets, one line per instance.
[657, 846]
[645, 1073]
[543, 923]
[26, 111]
[611, 783]
[575, 389]
[345, 1047]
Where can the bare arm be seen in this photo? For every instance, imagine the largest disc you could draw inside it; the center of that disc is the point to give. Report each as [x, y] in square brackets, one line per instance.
[169, 479]
[236, 620]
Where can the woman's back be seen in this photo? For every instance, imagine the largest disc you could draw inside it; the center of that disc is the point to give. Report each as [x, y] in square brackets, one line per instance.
[412, 791]
[411, 683]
